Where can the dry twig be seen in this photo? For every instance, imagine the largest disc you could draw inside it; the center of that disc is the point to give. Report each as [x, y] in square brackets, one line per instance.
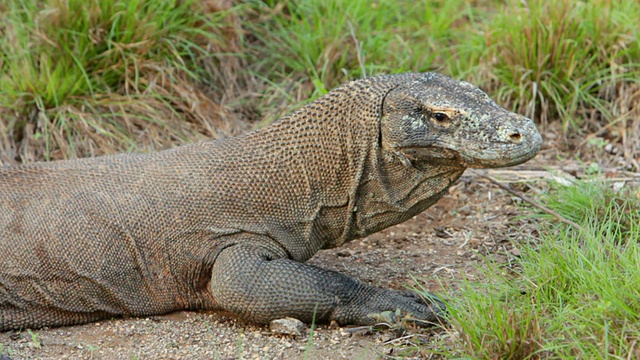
[533, 203]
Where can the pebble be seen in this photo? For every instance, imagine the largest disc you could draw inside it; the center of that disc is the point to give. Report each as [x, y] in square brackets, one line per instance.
[287, 326]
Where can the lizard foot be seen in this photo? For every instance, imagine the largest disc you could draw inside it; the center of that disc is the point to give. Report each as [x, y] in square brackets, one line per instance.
[413, 309]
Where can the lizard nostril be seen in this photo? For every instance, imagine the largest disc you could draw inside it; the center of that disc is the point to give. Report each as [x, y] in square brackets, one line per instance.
[515, 138]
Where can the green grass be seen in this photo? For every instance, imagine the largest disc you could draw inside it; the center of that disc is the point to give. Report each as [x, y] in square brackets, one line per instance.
[573, 294]
[303, 55]
[566, 60]
[362, 38]
[81, 78]
[560, 59]
[92, 73]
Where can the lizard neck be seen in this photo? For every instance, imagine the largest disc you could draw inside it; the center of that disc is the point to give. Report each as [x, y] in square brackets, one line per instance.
[350, 184]
[393, 190]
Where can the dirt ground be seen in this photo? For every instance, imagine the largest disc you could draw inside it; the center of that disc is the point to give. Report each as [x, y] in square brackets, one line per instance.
[438, 248]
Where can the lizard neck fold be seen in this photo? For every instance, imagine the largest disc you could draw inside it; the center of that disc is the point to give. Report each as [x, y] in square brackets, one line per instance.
[392, 191]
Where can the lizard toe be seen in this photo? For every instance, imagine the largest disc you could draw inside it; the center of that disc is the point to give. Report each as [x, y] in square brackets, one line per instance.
[409, 307]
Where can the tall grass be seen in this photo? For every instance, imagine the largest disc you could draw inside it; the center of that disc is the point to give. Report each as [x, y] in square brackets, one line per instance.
[565, 60]
[313, 46]
[98, 74]
[81, 78]
[561, 59]
[575, 294]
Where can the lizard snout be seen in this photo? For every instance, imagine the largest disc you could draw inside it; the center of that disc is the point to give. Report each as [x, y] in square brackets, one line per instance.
[521, 131]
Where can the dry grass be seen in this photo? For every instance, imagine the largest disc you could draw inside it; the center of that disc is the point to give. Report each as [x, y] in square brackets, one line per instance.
[91, 78]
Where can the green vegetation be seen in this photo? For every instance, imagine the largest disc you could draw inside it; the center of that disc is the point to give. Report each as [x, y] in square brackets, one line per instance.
[562, 59]
[83, 78]
[548, 60]
[575, 293]
[35, 342]
[362, 38]
[86, 77]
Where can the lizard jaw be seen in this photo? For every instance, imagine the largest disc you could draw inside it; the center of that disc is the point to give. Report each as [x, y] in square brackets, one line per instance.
[500, 155]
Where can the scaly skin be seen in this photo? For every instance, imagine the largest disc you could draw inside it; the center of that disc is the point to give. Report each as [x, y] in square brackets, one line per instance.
[228, 224]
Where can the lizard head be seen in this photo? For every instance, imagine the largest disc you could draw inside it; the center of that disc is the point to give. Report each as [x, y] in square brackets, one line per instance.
[434, 119]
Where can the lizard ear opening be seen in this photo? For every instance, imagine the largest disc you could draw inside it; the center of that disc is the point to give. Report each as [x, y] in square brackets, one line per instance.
[403, 123]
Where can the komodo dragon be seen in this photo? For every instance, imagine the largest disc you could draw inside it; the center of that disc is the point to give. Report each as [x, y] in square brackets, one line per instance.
[228, 224]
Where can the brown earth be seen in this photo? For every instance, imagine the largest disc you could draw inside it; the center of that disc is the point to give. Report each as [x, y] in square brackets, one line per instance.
[437, 248]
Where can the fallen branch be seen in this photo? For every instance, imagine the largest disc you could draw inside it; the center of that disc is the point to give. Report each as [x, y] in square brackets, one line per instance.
[526, 199]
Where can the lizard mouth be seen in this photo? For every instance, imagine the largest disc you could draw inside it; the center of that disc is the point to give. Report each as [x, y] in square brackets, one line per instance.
[509, 159]
[433, 155]
[515, 149]
[475, 155]
[499, 155]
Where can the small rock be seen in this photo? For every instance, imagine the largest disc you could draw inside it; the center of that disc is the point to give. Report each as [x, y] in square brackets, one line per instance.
[442, 232]
[344, 253]
[334, 325]
[617, 186]
[608, 148]
[287, 326]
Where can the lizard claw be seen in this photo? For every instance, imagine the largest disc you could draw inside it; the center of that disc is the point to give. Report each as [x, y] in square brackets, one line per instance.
[427, 311]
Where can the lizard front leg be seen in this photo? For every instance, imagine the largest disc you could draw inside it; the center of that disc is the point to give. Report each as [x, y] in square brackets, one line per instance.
[261, 285]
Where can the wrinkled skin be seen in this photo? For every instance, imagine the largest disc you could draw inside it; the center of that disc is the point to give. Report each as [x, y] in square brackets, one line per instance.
[455, 125]
[228, 224]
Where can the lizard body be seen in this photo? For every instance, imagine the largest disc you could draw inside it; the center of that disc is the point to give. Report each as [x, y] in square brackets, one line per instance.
[228, 224]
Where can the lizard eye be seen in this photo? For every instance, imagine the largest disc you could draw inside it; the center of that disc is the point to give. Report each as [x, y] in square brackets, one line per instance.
[440, 117]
